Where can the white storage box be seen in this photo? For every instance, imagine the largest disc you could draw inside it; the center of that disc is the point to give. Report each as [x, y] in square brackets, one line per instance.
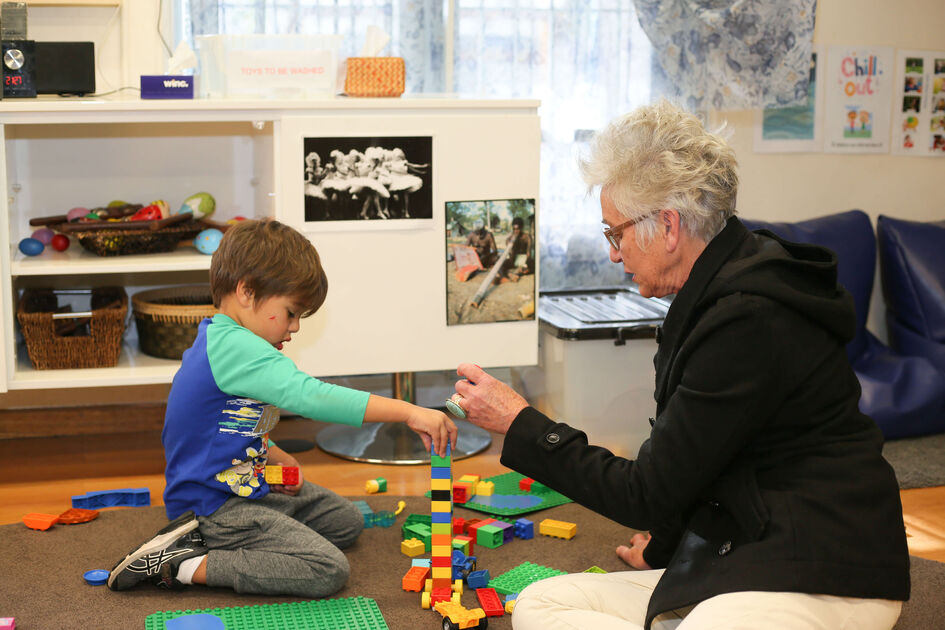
[268, 66]
[595, 368]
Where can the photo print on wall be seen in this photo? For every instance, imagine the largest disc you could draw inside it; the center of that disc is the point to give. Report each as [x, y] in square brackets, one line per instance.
[490, 261]
[382, 179]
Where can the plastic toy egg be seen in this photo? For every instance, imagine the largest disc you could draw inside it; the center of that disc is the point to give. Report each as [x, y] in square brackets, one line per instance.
[208, 240]
[201, 205]
[43, 235]
[76, 213]
[147, 213]
[59, 242]
[164, 208]
[31, 247]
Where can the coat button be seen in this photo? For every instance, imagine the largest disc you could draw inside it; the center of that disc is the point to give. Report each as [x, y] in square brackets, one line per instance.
[553, 438]
[725, 548]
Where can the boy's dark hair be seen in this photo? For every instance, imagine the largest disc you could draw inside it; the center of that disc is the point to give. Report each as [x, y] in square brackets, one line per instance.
[272, 259]
[519, 222]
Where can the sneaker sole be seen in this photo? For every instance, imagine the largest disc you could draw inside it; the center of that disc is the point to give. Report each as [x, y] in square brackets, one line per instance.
[172, 531]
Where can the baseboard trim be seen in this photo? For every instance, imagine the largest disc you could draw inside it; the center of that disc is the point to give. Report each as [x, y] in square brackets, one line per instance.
[89, 420]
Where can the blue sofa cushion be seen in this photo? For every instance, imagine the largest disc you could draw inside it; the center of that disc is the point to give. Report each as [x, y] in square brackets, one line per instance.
[903, 394]
[850, 235]
[912, 270]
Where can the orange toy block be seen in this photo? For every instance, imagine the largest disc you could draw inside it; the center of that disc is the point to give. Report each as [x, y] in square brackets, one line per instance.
[35, 520]
[414, 579]
[73, 516]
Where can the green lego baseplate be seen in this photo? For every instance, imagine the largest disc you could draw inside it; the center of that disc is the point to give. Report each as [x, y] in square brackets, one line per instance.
[324, 614]
[507, 499]
[515, 580]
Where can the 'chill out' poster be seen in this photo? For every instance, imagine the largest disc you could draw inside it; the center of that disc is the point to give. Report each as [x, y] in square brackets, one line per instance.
[858, 94]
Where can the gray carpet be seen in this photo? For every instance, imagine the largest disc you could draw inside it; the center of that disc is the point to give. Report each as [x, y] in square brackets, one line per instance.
[41, 581]
[918, 462]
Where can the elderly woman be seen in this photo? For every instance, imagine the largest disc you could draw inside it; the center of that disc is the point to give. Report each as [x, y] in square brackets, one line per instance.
[763, 488]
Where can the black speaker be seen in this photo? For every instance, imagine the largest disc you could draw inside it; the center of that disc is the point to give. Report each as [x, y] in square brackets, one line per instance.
[65, 68]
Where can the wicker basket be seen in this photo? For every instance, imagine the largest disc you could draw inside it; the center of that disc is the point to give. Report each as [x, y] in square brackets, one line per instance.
[118, 242]
[167, 319]
[58, 344]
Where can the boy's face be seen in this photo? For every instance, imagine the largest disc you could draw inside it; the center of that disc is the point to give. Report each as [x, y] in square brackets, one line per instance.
[274, 319]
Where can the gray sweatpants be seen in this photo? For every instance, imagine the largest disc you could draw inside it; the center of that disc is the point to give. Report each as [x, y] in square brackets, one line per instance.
[280, 544]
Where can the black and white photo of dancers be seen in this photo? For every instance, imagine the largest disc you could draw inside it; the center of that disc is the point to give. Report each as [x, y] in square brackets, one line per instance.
[372, 179]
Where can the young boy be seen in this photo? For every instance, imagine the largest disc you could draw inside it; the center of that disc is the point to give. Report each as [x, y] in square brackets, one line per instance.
[228, 526]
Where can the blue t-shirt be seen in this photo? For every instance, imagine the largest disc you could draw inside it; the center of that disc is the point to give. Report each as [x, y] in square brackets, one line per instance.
[224, 401]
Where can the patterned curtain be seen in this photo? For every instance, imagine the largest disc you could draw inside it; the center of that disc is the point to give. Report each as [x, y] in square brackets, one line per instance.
[732, 54]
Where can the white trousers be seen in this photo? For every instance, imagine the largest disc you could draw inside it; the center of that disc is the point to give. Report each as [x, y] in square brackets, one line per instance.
[617, 601]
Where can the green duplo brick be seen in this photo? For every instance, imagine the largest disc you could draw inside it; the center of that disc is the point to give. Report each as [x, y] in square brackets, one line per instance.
[441, 462]
[489, 536]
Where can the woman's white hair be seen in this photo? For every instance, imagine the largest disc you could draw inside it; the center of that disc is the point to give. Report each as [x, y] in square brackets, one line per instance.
[661, 157]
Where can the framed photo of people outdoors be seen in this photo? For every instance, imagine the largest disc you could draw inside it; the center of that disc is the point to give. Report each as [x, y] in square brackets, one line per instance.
[371, 180]
[490, 261]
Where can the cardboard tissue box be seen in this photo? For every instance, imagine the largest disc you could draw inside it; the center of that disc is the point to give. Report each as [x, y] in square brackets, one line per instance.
[375, 76]
[371, 75]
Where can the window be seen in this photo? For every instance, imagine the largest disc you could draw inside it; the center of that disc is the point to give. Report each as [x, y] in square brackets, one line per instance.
[587, 61]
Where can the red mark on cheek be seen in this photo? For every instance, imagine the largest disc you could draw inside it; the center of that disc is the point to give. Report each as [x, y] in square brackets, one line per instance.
[271, 317]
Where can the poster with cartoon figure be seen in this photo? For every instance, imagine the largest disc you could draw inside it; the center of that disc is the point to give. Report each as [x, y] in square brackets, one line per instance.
[919, 104]
[858, 94]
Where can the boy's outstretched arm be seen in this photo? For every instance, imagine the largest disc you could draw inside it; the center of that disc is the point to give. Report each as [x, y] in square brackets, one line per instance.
[433, 427]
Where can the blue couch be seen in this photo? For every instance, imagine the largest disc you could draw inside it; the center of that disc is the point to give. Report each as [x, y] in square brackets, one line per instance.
[903, 392]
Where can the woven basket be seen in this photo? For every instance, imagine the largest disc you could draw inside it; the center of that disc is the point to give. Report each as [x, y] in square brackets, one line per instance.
[168, 319]
[51, 349]
[119, 242]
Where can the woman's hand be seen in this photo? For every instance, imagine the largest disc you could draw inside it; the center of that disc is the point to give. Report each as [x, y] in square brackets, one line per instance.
[488, 403]
[633, 555]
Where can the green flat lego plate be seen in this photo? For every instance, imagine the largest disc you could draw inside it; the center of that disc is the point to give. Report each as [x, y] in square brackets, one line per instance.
[324, 614]
[515, 580]
[508, 500]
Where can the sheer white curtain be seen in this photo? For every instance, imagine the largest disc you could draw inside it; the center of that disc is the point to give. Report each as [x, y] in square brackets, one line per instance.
[586, 60]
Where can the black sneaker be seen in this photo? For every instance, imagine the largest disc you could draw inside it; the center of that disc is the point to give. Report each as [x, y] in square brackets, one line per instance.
[157, 560]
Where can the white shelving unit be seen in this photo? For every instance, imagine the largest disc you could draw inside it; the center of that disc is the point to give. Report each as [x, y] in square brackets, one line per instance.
[86, 152]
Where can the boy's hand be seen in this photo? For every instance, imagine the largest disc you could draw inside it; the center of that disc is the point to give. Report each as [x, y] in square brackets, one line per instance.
[278, 457]
[433, 427]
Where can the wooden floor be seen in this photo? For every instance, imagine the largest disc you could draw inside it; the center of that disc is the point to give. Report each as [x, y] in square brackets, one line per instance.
[41, 475]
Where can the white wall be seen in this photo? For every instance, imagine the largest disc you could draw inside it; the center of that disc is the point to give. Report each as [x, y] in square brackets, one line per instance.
[795, 186]
[788, 187]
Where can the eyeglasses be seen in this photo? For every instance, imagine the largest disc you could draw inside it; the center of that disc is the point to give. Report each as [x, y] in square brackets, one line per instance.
[613, 234]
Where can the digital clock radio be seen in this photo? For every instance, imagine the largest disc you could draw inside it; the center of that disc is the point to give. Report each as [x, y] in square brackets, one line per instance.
[18, 58]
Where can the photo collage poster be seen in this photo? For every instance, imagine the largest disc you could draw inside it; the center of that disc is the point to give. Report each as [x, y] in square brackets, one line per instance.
[797, 128]
[859, 90]
[919, 104]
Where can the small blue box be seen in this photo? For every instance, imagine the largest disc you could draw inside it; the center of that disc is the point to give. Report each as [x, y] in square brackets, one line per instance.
[167, 86]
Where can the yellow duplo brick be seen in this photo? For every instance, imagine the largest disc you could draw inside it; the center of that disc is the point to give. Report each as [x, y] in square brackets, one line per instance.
[485, 488]
[411, 547]
[470, 478]
[441, 551]
[440, 484]
[273, 474]
[558, 529]
[442, 572]
[442, 528]
[441, 507]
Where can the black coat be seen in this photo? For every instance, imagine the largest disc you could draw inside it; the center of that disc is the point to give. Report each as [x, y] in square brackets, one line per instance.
[760, 472]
